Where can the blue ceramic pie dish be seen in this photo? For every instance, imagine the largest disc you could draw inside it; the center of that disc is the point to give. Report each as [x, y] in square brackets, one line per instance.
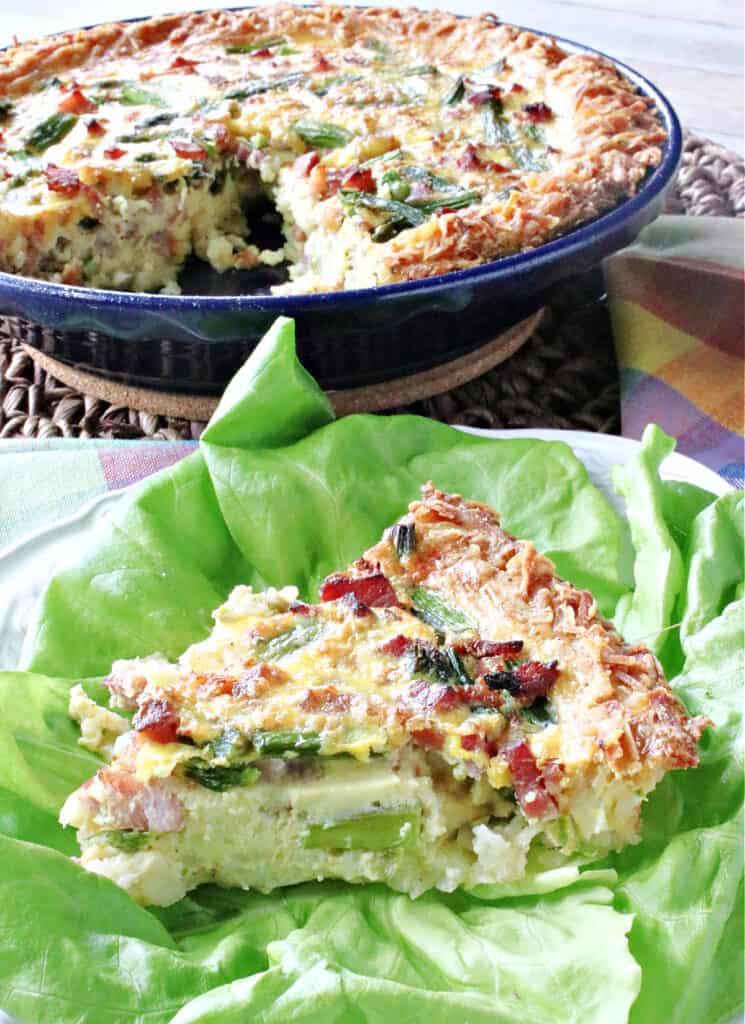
[195, 342]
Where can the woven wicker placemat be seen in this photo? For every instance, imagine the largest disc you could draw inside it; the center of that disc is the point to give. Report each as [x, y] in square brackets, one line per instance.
[564, 376]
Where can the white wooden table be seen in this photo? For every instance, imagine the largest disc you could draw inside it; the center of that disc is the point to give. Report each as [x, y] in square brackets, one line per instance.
[693, 51]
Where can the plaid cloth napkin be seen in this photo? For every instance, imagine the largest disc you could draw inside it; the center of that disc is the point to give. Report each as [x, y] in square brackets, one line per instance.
[676, 303]
[44, 481]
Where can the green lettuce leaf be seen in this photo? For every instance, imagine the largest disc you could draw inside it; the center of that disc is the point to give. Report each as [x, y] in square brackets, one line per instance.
[647, 613]
[260, 421]
[710, 685]
[715, 571]
[42, 761]
[372, 955]
[688, 923]
[76, 948]
[83, 952]
[280, 493]
[684, 884]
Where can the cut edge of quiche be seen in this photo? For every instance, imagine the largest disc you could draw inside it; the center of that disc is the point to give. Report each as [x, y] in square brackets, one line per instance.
[449, 714]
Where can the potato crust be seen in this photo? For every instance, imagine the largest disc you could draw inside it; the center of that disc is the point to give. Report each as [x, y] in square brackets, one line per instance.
[615, 708]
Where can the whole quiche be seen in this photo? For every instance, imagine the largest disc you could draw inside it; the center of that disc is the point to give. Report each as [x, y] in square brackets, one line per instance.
[394, 144]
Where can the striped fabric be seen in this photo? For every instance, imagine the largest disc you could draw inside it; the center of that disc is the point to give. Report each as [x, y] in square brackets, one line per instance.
[44, 481]
[676, 303]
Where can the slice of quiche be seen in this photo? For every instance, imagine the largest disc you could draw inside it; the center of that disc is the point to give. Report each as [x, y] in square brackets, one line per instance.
[449, 708]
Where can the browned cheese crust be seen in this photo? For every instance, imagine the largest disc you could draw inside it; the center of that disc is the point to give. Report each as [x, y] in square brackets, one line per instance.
[614, 705]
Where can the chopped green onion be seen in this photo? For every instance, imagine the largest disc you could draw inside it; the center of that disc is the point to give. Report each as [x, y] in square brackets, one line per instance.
[143, 137]
[20, 179]
[391, 154]
[529, 161]
[439, 663]
[260, 85]
[382, 49]
[146, 158]
[398, 188]
[378, 830]
[322, 135]
[265, 44]
[154, 120]
[230, 743]
[274, 744]
[496, 128]
[499, 132]
[25, 157]
[456, 93]
[459, 671]
[220, 777]
[423, 69]
[135, 96]
[450, 193]
[436, 613]
[539, 714]
[322, 88]
[400, 211]
[50, 131]
[403, 214]
[454, 201]
[127, 840]
[389, 229]
[434, 181]
[404, 538]
[306, 630]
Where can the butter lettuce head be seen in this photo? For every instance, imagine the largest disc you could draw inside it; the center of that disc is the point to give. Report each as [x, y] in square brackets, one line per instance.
[281, 493]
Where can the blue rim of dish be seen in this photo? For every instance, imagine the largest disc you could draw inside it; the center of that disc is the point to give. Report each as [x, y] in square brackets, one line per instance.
[529, 259]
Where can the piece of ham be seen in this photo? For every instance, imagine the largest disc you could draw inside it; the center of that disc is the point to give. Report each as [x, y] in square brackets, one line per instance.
[119, 800]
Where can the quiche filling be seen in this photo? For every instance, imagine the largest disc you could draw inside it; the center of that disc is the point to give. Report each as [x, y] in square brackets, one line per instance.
[392, 145]
[448, 715]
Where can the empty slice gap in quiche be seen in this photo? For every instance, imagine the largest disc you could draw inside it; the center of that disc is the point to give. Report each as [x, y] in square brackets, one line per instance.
[449, 708]
[395, 144]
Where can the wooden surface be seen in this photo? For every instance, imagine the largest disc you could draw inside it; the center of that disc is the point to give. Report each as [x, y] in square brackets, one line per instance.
[693, 51]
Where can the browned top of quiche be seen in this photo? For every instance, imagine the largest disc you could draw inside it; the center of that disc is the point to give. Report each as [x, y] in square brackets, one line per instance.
[395, 144]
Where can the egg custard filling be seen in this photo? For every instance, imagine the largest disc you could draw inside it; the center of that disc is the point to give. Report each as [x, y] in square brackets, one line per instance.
[392, 144]
[449, 714]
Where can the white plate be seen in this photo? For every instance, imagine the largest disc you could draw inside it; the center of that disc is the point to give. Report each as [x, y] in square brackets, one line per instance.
[25, 568]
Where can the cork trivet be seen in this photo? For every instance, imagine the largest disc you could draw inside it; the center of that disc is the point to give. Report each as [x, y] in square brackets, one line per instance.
[373, 398]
